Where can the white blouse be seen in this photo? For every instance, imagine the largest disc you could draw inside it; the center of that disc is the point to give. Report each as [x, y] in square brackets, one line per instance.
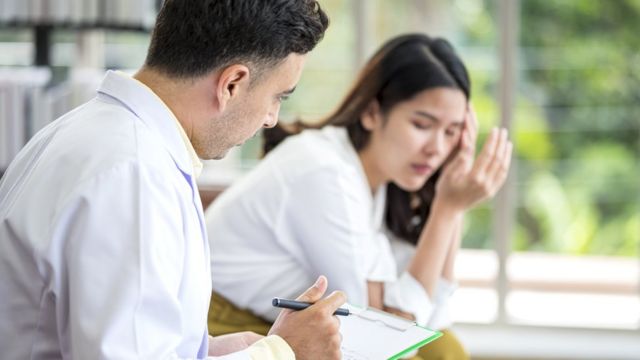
[307, 210]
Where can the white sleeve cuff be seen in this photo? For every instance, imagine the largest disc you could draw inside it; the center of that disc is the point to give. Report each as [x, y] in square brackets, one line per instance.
[441, 316]
[407, 295]
[443, 291]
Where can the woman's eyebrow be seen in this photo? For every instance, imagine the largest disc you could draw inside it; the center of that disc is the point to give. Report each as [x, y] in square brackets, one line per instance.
[427, 115]
[435, 119]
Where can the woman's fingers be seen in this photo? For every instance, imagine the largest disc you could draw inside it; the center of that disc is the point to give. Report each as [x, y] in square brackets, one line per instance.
[468, 140]
[486, 155]
[467, 151]
[501, 174]
[469, 131]
[456, 166]
[470, 183]
[472, 124]
[498, 156]
[466, 145]
[498, 169]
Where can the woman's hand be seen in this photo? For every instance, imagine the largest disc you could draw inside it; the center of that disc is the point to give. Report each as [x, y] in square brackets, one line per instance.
[464, 183]
[468, 138]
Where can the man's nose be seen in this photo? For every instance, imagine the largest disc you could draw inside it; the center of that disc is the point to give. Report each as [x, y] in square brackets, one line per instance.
[272, 118]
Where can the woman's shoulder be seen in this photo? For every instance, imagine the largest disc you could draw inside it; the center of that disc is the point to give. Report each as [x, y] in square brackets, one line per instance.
[327, 149]
[313, 160]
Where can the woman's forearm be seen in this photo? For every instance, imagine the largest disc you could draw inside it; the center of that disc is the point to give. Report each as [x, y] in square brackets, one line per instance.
[449, 264]
[434, 245]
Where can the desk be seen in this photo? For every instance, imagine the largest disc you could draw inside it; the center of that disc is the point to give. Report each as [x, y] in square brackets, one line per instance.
[208, 193]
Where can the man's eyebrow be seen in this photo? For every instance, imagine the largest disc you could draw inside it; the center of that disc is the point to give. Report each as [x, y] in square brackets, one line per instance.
[436, 119]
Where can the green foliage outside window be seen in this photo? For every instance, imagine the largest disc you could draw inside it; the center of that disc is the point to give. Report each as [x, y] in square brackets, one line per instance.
[577, 114]
[577, 127]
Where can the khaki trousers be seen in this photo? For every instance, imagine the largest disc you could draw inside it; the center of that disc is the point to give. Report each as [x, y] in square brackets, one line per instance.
[224, 318]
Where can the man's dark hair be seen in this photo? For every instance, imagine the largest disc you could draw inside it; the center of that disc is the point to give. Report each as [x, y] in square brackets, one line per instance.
[194, 37]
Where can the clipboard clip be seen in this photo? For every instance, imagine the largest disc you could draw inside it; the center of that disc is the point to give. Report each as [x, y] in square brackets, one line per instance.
[382, 318]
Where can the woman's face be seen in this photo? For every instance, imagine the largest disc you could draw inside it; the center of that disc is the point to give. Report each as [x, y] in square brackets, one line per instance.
[416, 138]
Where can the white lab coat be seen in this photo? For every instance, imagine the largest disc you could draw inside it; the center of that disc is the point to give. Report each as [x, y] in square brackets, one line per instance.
[103, 253]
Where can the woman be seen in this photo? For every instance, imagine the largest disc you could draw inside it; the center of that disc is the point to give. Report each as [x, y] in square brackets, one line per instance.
[372, 197]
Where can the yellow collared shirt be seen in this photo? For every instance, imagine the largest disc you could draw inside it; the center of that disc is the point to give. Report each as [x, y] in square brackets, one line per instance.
[195, 160]
[272, 347]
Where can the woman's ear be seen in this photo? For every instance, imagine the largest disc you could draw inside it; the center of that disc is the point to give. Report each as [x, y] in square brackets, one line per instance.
[371, 116]
[232, 81]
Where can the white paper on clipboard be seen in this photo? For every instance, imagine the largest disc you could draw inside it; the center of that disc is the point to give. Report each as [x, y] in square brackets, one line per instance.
[370, 334]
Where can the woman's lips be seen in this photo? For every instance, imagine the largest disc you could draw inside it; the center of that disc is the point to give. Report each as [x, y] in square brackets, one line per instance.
[421, 169]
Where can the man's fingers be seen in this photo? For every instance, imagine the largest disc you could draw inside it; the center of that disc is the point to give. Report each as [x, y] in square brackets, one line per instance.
[332, 302]
[315, 292]
[314, 295]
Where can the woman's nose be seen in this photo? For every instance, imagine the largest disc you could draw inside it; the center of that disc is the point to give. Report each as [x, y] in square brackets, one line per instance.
[435, 145]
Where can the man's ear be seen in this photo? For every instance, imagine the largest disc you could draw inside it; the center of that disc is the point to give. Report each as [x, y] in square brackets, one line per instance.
[233, 79]
[371, 116]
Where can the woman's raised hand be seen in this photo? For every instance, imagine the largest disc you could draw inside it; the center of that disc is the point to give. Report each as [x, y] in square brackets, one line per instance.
[464, 183]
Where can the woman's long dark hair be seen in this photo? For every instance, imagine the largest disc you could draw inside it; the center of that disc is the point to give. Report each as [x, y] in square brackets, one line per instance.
[400, 69]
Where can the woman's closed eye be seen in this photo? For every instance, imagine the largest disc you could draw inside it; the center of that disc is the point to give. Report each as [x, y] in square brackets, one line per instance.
[453, 131]
[422, 125]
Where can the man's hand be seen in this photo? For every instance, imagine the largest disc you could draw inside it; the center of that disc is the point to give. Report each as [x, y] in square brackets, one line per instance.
[313, 333]
[230, 343]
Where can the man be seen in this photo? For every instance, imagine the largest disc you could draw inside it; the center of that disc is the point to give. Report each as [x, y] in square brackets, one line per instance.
[103, 251]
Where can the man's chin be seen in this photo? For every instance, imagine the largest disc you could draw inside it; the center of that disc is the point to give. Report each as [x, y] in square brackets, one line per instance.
[215, 156]
[220, 154]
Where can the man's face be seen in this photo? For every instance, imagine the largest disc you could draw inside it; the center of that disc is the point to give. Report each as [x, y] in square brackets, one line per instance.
[250, 110]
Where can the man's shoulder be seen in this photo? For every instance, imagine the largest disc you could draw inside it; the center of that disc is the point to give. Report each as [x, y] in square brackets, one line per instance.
[93, 139]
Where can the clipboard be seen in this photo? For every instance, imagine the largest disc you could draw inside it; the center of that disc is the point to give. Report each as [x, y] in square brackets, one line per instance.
[371, 334]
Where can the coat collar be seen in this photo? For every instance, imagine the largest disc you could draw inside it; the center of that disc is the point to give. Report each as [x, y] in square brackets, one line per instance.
[153, 112]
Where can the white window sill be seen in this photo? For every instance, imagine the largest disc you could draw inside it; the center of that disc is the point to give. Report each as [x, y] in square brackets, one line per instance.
[525, 342]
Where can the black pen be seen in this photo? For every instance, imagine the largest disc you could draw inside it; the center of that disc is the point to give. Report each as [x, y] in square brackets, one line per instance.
[299, 305]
